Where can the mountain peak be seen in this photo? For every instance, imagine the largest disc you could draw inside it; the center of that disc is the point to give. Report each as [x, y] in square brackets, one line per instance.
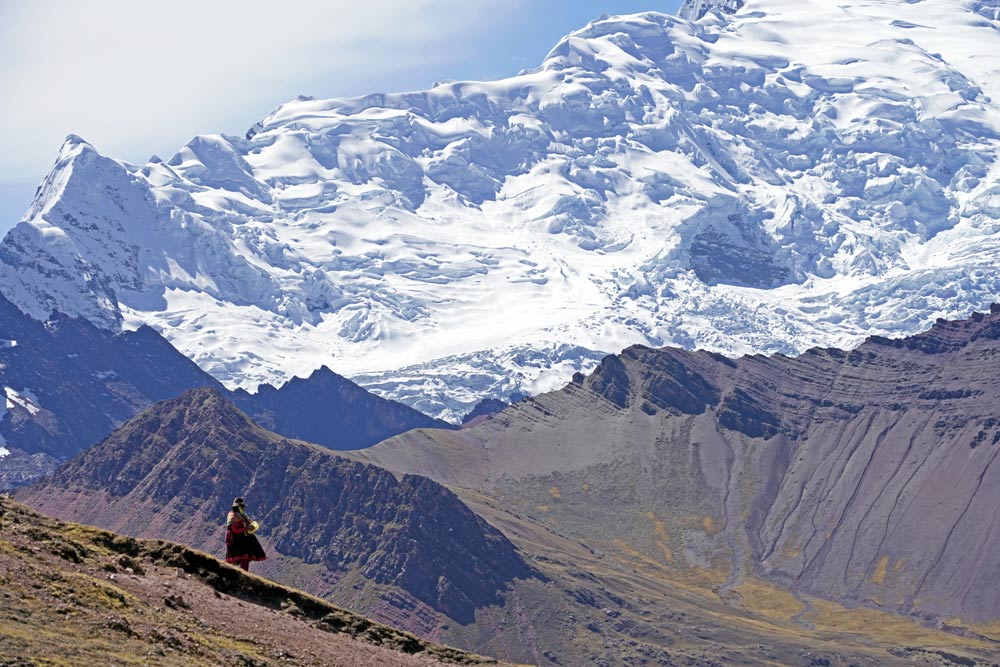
[75, 140]
[201, 422]
[75, 154]
[324, 372]
[200, 402]
[217, 161]
[73, 148]
[331, 410]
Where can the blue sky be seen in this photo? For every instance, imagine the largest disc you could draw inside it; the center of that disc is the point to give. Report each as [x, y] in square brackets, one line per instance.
[137, 79]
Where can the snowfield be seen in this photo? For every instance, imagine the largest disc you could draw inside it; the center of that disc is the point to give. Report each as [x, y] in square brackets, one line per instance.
[798, 173]
[23, 400]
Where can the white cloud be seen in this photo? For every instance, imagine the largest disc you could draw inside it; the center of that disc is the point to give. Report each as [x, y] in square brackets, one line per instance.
[141, 77]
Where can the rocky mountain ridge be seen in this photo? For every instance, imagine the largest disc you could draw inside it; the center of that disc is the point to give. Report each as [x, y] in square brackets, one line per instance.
[66, 384]
[741, 183]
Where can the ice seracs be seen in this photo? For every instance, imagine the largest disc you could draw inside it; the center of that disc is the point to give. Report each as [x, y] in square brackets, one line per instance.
[744, 183]
[693, 10]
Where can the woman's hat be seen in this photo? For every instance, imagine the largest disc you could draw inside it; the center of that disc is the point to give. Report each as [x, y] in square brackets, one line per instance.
[240, 502]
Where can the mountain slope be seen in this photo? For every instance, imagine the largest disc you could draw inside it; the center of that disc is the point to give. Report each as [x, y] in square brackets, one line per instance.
[65, 385]
[867, 477]
[173, 471]
[743, 183]
[407, 552]
[85, 596]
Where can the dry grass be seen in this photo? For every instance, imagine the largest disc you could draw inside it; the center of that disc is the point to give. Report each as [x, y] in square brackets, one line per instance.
[662, 537]
[878, 577]
[769, 601]
[990, 630]
[779, 606]
[882, 627]
[695, 579]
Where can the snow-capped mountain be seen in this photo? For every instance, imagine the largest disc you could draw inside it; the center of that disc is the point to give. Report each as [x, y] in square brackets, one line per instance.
[797, 173]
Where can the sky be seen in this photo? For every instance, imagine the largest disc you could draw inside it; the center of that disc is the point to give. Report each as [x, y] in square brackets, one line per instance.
[142, 78]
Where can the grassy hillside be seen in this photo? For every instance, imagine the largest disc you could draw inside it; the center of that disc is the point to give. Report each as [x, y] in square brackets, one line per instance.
[76, 595]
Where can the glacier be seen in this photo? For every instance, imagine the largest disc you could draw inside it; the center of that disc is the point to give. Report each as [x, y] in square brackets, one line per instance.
[779, 175]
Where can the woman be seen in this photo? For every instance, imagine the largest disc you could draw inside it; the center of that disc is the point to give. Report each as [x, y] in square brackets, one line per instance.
[241, 545]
